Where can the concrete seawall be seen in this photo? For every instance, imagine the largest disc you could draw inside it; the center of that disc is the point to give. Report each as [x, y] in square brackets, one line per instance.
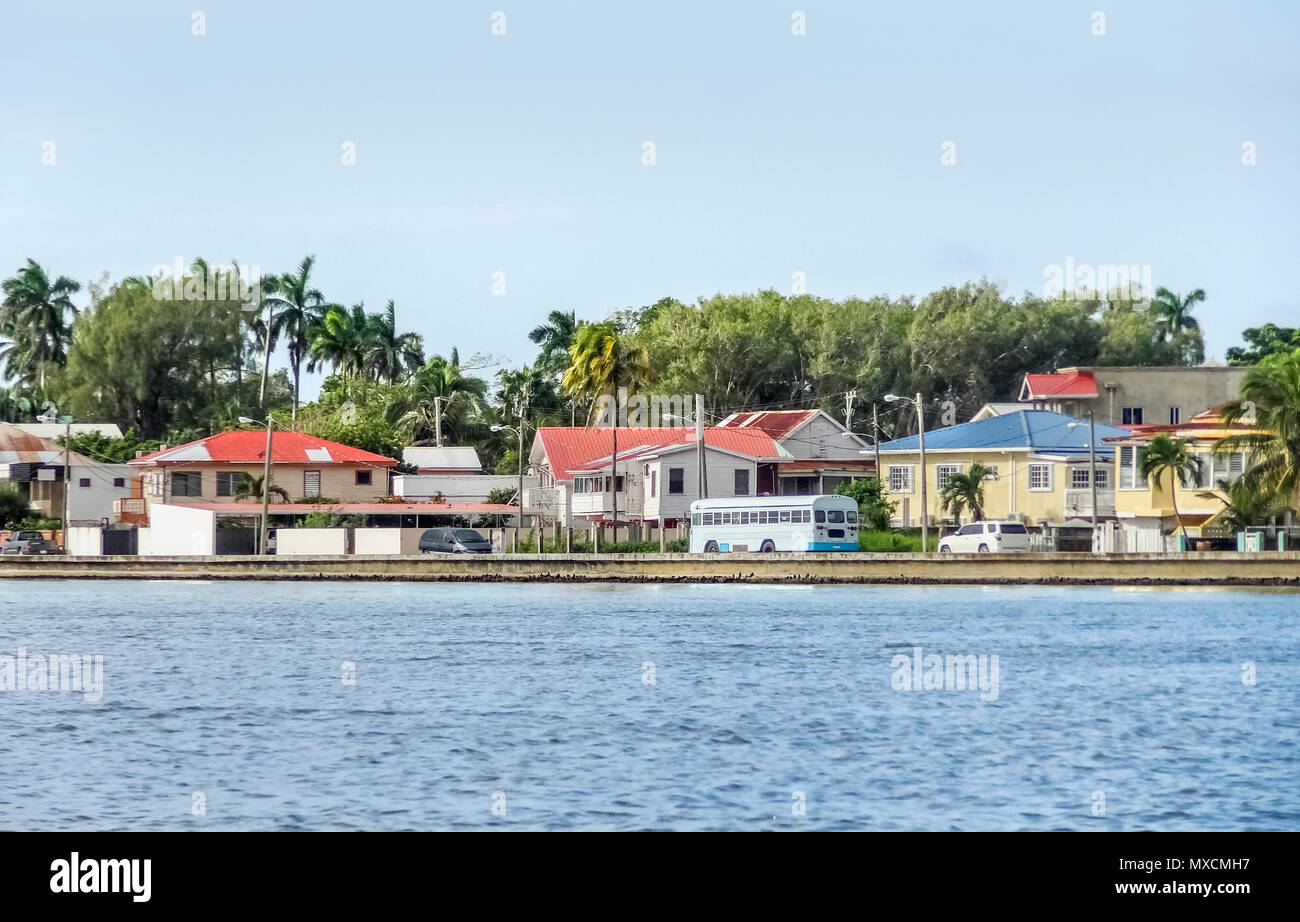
[1191, 569]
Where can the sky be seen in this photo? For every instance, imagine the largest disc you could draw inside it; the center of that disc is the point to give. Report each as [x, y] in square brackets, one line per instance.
[501, 176]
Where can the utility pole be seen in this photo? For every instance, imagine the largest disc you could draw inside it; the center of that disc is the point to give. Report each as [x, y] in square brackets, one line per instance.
[437, 422]
[849, 398]
[1092, 466]
[701, 470]
[266, 489]
[925, 507]
[875, 435]
[67, 475]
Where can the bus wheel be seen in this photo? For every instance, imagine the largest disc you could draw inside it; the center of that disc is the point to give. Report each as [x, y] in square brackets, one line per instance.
[711, 547]
[984, 548]
[767, 547]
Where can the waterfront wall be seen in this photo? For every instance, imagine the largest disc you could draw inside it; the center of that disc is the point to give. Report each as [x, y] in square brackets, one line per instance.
[1190, 569]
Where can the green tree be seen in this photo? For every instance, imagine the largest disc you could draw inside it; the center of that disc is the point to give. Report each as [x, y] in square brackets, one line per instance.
[964, 492]
[1245, 504]
[341, 340]
[874, 509]
[294, 308]
[1165, 455]
[438, 396]
[390, 355]
[555, 336]
[13, 505]
[36, 316]
[1262, 342]
[1270, 404]
[15, 405]
[355, 412]
[603, 362]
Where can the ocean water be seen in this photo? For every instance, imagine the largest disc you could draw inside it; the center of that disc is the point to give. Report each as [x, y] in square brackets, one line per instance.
[611, 706]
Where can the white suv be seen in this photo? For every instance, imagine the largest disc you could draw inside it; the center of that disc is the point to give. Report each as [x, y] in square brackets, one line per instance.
[986, 538]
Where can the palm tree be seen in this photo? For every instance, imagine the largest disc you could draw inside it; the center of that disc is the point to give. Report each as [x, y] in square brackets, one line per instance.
[1174, 316]
[436, 398]
[1270, 404]
[341, 339]
[555, 336]
[294, 308]
[603, 361]
[1162, 455]
[32, 315]
[965, 491]
[250, 487]
[389, 354]
[1245, 505]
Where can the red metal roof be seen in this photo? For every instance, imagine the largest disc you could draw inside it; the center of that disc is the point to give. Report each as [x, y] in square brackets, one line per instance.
[1061, 384]
[570, 448]
[243, 446]
[776, 423]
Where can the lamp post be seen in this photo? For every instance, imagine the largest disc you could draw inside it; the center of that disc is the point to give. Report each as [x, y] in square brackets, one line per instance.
[266, 482]
[920, 423]
[519, 522]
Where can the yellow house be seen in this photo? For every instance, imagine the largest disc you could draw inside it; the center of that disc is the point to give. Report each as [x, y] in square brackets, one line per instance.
[1039, 468]
[1145, 509]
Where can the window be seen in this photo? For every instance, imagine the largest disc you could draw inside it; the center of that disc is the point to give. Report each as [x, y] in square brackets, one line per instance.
[654, 482]
[708, 518]
[970, 530]
[1079, 477]
[1040, 476]
[676, 480]
[1131, 416]
[742, 481]
[835, 516]
[83, 481]
[695, 518]
[1128, 468]
[852, 517]
[726, 518]
[942, 472]
[227, 483]
[991, 472]
[187, 483]
[1103, 479]
[618, 484]
[1011, 528]
[311, 483]
[1175, 415]
[820, 515]
[119, 481]
[363, 478]
[785, 515]
[900, 478]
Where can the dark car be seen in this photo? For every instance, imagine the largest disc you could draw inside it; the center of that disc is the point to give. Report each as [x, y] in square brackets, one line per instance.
[28, 542]
[454, 541]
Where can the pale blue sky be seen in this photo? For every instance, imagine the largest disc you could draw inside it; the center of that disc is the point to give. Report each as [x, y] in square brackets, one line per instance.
[775, 153]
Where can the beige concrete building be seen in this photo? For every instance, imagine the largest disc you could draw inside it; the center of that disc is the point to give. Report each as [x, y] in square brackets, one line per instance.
[1134, 395]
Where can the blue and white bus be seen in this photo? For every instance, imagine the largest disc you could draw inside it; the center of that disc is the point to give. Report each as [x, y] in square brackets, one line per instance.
[774, 523]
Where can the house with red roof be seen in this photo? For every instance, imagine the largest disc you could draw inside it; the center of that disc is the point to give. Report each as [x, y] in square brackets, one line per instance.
[209, 470]
[1134, 395]
[823, 453]
[657, 470]
[1070, 392]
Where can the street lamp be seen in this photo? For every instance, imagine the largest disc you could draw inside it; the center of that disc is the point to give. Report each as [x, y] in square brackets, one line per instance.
[920, 422]
[1092, 462]
[266, 480]
[520, 431]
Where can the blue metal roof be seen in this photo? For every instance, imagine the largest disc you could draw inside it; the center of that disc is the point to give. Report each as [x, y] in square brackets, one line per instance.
[1037, 430]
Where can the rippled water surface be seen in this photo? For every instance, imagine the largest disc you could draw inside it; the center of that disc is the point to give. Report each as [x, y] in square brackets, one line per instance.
[629, 707]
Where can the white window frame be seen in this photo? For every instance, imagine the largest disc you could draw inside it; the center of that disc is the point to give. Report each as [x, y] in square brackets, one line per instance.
[906, 471]
[1075, 471]
[941, 474]
[1050, 476]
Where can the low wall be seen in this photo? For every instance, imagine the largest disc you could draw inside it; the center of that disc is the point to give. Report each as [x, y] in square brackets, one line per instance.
[392, 541]
[308, 542]
[1191, 569]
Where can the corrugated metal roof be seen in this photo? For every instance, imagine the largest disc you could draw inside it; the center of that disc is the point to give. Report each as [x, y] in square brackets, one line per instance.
[570, 448]
[1037, 430]
[1060, 384]
[243, 446]
[19, 447]
[776, 423]
[458, 458]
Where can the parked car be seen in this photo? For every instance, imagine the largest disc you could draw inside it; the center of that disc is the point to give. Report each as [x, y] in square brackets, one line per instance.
[28, 542]
[454, 541]
[987, 538]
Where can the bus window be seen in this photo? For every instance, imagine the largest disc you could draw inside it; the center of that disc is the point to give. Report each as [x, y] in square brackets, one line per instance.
[821, 515]
[726, 518]
[695, 518]
[762, 517]
[852, 517]
[785, 515]
[834, 516]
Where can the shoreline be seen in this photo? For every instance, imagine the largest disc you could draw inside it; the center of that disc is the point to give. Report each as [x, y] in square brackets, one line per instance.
[1223, 568]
